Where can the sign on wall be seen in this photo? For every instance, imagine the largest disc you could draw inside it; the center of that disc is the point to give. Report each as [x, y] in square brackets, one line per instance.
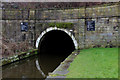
[90, 25]
[24, 26]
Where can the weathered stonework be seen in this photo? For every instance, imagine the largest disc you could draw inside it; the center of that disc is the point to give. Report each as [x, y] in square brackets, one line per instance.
[105, 35]
[55, 28]
[15, 58]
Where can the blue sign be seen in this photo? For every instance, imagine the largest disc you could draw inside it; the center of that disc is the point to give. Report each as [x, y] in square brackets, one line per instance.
[24, 26]
[90, 25]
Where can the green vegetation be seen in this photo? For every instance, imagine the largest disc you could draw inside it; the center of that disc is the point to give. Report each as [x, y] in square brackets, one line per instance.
[95, 63]
[22, 55]
[54, 75]
[61, 25]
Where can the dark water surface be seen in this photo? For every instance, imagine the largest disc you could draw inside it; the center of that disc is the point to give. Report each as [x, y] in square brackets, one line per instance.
[34, 67]
[55, 47]
[22, 69]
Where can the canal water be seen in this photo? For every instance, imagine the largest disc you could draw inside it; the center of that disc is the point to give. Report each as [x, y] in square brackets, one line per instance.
[34, 67]
[53, 49]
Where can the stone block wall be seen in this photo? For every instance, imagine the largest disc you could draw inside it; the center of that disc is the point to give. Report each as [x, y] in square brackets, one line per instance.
[103, 11]
[15, 41]
[106, 19]
[105, 34]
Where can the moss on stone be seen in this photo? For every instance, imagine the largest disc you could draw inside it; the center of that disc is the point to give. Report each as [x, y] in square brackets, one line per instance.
[6, 61]
[61, 25]
[30, 51]
[22, 55]
[54, 75]
[36, 52]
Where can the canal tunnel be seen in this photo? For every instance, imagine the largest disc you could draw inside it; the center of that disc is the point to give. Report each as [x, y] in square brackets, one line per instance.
[56, 42]
[54, 47]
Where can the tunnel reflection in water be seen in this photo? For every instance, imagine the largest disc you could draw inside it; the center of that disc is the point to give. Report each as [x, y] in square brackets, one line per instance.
[54, 47]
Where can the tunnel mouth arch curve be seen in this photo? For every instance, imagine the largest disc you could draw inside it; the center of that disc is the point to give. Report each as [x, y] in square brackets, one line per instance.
[60, 29]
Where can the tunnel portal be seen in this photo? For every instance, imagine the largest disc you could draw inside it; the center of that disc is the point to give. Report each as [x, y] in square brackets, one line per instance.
[54, 47]
[56, 42]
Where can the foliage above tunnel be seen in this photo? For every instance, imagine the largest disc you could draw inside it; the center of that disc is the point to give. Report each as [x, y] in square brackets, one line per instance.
[61, 25]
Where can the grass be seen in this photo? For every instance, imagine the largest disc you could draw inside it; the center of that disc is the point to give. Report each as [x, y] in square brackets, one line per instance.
[95, 63]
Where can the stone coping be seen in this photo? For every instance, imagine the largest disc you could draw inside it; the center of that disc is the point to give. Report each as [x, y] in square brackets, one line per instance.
[62, 69]
[23, 55]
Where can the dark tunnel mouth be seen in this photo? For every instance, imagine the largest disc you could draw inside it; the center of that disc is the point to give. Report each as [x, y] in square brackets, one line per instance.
[54, 47]
[56, 38]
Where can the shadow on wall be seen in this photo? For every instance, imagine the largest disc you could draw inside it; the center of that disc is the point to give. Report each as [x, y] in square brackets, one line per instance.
[54, 47]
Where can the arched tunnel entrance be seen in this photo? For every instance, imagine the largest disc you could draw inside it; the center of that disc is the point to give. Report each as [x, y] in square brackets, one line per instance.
[54, 47]
[56, 42]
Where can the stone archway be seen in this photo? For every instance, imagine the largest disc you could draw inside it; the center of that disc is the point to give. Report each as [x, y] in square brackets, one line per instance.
[55, 28]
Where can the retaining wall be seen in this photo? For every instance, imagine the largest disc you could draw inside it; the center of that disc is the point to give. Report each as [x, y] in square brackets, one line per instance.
[106, 19]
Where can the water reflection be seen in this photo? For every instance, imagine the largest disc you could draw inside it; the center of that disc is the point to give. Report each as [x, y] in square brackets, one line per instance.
[22, 69]
[48, 63]
[53, 48]
[34, 67]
